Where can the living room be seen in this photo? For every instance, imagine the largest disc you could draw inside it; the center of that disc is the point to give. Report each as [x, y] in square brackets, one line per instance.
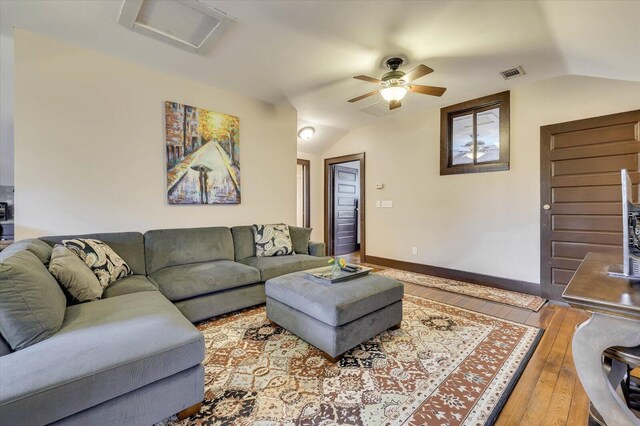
[163, 171]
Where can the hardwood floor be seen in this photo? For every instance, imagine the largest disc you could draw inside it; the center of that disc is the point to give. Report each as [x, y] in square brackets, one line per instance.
[549, 391]
[352, 257]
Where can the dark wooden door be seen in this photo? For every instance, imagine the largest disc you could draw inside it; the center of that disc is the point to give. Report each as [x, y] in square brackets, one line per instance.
[346, 193]
[580, 194]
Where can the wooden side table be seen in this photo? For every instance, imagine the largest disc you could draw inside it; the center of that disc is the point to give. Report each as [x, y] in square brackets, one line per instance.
[615, 321]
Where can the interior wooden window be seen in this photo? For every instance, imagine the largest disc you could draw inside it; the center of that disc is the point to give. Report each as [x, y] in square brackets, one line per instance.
[474, 135]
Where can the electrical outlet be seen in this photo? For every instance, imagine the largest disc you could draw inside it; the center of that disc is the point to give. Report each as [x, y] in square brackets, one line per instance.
[378, 203]
[414, 250]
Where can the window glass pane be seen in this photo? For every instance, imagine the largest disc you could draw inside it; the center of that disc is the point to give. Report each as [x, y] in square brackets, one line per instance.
[488, 126]
[462, 139]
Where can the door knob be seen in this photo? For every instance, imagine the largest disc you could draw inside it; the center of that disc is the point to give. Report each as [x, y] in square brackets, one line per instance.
[546, 207]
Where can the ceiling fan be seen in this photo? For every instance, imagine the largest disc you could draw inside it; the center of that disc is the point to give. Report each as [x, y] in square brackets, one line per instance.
[395, 84]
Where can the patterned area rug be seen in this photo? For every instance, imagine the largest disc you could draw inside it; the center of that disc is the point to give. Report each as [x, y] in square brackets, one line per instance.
[513, 298]
[444, 366]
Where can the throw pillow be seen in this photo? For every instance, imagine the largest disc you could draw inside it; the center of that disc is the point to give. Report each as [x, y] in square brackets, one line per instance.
[103, 261]
[272, 240]
[74, 275]
[300, 238]
[32, 305]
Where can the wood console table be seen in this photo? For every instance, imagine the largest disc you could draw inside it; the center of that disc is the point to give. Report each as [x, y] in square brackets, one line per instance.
[615, 305]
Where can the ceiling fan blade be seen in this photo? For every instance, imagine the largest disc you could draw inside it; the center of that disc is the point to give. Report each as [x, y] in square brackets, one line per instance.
[394, 104]
[359, 98]
[368, 79]
[416, 73]
[427, 90]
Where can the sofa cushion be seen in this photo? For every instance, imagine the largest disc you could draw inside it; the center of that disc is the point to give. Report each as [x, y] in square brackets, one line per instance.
[32, 304]
[4, 346]
[335, 304]
[300, 238]
[74, 275]
[185, 281]
[104, 349]
[317, 248]
[272, 240]
[271, 267]
[39, 248]
[128, 285]
[243, 243]
[172, 247]
[128, 245]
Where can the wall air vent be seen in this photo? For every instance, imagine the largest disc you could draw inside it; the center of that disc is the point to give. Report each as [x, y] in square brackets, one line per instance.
[512, 73]
[378, 109]
[187, 24]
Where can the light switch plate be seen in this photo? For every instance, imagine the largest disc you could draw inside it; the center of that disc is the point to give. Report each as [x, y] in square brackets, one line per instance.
[387, 203]
[378, 203]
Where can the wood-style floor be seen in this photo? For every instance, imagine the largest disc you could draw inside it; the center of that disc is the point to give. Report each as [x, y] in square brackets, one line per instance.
[549, 391]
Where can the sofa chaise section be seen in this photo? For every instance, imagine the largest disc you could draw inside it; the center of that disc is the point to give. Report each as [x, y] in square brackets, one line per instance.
[105, 350]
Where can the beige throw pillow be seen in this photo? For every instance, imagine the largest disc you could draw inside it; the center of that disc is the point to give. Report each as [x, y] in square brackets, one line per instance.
[100, 258]
[74, 275]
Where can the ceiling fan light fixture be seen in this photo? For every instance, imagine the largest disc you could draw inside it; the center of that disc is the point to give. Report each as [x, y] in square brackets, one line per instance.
[393, 93]
[306, 133]
[478, 154]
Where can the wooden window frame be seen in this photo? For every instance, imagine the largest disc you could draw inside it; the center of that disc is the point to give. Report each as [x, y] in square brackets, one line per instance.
[306, 200]
[502, 100]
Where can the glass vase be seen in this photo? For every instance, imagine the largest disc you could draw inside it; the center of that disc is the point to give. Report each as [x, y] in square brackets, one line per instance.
[335, 269]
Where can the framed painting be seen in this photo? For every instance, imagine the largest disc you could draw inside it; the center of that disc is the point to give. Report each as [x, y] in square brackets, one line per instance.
[203, 155]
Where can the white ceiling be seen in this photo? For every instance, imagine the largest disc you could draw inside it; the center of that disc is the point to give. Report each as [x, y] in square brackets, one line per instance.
[304, 53]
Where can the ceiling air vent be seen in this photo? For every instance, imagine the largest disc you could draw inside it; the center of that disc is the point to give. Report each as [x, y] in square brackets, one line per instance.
[378, 109]
[512, 73]
[187, 24]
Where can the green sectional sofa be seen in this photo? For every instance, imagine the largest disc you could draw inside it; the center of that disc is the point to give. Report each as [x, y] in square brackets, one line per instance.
[133, 357]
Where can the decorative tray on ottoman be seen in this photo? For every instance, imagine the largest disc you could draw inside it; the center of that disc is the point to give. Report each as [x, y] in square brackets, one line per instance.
[326, 274]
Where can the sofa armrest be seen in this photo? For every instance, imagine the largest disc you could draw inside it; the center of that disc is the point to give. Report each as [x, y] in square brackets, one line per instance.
[317, 248]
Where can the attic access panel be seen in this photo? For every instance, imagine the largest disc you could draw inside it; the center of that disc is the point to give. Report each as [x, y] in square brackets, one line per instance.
[187, 24]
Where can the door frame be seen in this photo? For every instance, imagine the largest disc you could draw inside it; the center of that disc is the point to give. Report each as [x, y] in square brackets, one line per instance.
[306, 196]
[328, 201]
[547, 289]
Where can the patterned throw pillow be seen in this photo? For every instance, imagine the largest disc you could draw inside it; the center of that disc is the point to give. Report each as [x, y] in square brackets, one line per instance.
[272, 240]
[103, 261]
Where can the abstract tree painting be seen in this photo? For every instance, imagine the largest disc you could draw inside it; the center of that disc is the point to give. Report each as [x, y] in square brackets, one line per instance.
[203, 155]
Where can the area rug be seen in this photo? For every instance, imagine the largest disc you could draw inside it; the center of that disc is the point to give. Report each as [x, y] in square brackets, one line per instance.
[444, 366]
[513, 298]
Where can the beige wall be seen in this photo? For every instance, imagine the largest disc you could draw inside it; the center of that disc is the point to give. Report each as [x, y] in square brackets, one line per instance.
[485, 223]
[6, 110]
[89, 146]
[316, 184]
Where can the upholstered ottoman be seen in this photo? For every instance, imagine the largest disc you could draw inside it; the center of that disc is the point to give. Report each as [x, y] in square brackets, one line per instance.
[334, 317]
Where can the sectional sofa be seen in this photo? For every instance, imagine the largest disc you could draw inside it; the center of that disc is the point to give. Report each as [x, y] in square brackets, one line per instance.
[133, 357]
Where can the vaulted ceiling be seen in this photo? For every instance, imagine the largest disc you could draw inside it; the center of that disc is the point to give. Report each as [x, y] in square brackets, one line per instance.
[304, 53]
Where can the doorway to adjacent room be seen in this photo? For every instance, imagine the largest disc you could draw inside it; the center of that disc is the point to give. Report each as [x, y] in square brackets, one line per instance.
[303, 195]
[344, 216]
